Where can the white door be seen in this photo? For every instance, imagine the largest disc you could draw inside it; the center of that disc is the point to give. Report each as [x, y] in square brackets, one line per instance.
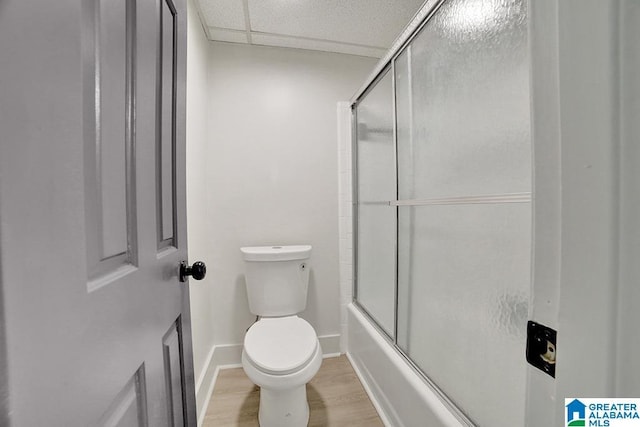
[95, 322]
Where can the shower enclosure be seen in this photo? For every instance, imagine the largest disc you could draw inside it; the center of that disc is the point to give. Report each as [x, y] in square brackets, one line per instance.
[442, 192]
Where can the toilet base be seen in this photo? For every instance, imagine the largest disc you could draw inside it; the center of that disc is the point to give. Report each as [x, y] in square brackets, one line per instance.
[284, 408]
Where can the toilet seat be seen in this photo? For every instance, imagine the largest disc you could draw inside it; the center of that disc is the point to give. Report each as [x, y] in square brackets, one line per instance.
[280, 345]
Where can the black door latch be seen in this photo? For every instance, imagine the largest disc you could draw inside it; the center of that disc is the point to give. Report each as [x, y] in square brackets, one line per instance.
[541, 347]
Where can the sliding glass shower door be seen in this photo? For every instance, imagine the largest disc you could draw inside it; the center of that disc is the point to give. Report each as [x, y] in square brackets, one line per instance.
[462, 186]
[376, 165]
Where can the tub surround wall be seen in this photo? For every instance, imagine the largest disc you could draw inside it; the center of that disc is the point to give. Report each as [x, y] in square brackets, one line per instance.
[345, 214]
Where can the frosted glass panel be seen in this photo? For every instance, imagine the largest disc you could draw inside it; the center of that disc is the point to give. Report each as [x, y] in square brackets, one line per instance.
[461, 261]
[462, 100]
[376, 267]
[376, 219]
[404, 128]
[376, 150]
[464, 304]
[463, 103]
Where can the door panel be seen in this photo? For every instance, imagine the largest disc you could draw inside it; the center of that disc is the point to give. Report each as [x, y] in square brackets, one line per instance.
[172, 346]
[166, 115]
[86, 327]
[113, 34]
[108, 97]
[129, 407]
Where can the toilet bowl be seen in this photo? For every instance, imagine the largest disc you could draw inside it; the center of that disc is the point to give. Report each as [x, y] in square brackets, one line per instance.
[281, 350]
[280, 356]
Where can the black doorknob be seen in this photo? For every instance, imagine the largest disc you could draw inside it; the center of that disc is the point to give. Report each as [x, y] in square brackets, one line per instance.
[198, 270]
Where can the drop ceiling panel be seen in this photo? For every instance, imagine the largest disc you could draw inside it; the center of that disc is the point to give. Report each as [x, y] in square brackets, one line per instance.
[364, 22]
[312, 44]
[357, 27]
[223, 14]
[232, 36]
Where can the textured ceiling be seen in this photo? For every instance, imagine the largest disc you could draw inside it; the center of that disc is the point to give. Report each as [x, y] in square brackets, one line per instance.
[358, 27]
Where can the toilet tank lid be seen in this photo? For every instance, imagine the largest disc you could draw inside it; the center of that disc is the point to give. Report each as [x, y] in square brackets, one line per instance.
[276, 253]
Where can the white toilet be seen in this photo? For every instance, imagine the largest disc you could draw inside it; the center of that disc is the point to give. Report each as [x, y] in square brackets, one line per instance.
[281, 351]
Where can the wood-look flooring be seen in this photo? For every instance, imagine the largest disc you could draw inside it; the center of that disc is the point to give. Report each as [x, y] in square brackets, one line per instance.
[336, 398]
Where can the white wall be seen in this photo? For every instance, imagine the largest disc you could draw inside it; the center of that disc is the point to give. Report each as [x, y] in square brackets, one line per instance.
[197, 107]
[272, 170]
[262, 170]
[586, 200]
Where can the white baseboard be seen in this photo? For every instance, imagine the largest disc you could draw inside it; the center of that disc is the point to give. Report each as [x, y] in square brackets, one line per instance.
[204, 386]
[229, 356]
[220, 357]
[330, 345]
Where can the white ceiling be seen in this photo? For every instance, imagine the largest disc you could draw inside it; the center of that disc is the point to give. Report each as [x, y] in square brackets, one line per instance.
[357, 27]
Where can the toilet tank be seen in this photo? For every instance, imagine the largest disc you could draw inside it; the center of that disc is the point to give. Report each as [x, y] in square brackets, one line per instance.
[277, 279]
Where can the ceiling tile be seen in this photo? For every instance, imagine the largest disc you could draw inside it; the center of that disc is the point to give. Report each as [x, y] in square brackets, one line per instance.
[364, 22]
[223, 35]
[312, 44]
[223, 13]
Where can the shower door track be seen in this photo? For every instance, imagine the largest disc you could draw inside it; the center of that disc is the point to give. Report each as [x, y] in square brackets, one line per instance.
[524, 197]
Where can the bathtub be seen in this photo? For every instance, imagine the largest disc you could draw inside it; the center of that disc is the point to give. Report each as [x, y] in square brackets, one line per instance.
[401, 396]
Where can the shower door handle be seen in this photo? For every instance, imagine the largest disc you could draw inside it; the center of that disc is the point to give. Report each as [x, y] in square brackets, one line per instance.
[198, 270]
